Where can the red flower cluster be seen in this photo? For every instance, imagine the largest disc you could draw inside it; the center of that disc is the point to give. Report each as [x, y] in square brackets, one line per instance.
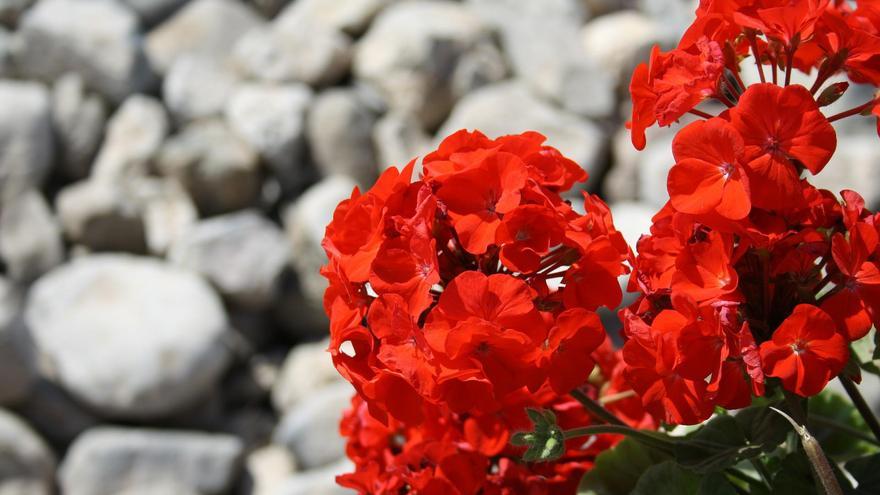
[750, 272]
[460, 298]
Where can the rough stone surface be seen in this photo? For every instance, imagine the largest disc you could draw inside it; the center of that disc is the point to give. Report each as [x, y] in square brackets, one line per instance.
[241, 254]
[108, 461]
[153, 11]
[620, 57]
[30, 238]
[294, 50]
[317, 481]
[204, 28]
[304, 223]
[55, 414]
[309, 429]
[78, 118]
[350, 16]
[854, 166]
[219, 170]
[164, 209]
[306, 369]
[99, 215]
[98, 39]
[340, 133]
[508, 108]
[11, 10]
[424, 55]
[26, 142]
[632, 219]
[541, 39]
[271, 118]
[27, 466]
[16, 358]
[114, 331]
[197, 88]
[134, 135]
[267, 468]
[397, 139]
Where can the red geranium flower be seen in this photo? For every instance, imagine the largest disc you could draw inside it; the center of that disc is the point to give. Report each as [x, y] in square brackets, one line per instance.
[806, 351]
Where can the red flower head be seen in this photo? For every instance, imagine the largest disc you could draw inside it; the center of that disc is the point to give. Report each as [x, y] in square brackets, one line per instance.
[456, 301]
[708, 175]
[672, 84]
[806, 351]
[783, 130]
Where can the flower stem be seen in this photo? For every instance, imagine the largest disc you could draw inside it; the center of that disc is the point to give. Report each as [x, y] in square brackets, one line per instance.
[864, 409]
[852, 111]
[610, 399]
[700, 113]
[820, 466]
[596, 409]
[753, 42]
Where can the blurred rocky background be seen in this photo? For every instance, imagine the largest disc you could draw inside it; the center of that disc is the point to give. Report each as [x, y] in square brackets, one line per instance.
[167, 168]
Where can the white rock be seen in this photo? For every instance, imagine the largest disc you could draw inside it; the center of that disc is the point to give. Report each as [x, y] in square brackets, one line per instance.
[349, 16]
[306, 369]
[853, 166]
[294, 51]
[197, 88]
[204, 28]
[28, 465]
[272, 120]
[340, 132]
[510, 108]
[7, 42]
[542, 41]
[16, 359]
[52, 411]
[242, 254]
[618, 54]
[98, 39]
[26, 143]
[10, 10]
[424, 55]
[165, 210]
[675, 16]
[153, 11]
[633, 220]
[79, 118]
[129, 336]
[109, 461]
[268, 467]
[134, 135]
[398, 138]
[219, 170]
[304, 223]
[100, 215]
[317, 481]
[310, 430]
[30, 238]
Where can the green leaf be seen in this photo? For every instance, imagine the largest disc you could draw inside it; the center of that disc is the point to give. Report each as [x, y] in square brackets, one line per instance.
[667, 478]
[795, 477]
[726, 440]
[866, 471]
[617, 470]
[834, 408]
[762, 426]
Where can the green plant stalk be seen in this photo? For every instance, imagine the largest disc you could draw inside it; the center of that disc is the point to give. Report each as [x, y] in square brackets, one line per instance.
[596, 409]
[864, 409]
[666, 445]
